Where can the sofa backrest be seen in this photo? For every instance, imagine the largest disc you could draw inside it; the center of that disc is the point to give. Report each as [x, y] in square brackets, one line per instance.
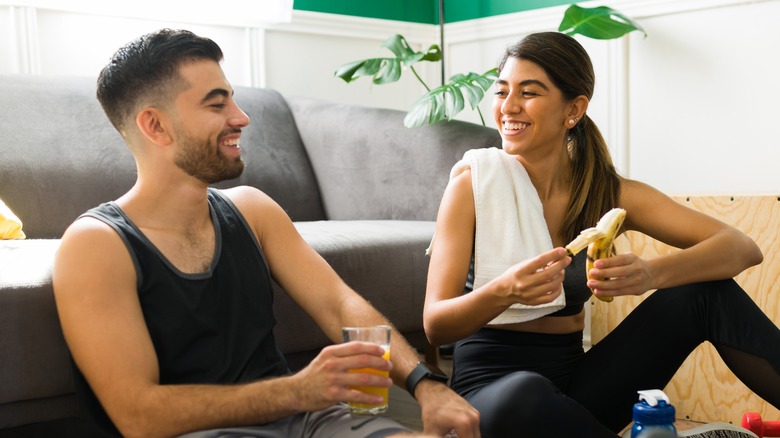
[59, 155]
[369, 166]
[276, 161]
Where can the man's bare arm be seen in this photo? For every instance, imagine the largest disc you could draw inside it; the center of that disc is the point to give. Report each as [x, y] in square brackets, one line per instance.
[313, 284]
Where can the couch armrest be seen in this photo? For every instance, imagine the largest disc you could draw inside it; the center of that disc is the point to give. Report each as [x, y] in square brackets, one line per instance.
[34, 360]
[369, 166]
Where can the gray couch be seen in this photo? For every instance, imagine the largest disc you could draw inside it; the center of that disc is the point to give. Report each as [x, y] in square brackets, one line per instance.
[362, 190]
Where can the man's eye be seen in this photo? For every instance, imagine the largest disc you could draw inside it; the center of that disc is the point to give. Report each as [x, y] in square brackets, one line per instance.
[217, 105]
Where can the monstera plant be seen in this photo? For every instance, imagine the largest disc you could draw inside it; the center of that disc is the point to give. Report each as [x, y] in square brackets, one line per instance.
[446, 101]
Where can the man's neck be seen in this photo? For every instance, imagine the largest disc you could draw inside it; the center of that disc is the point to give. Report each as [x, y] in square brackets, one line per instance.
[176, 220]
[172, 205]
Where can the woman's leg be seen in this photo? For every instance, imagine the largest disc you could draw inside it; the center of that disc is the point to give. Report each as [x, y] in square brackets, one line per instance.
[514, 378]
[527, 404]
[648, 347]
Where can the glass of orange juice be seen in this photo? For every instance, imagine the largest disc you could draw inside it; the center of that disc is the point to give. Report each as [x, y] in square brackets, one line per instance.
[379, 334]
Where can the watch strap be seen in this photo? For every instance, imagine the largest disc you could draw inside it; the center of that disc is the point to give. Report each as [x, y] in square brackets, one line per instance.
[422, 371]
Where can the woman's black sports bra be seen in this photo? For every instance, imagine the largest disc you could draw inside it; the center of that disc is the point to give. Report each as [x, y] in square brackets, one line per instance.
[574, 285]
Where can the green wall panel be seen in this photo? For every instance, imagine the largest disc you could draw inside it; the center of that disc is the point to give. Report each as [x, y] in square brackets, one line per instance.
[413, 11]
[424, 11]
[462, 10]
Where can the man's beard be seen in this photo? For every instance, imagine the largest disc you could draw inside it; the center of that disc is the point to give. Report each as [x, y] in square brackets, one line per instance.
[205, 161]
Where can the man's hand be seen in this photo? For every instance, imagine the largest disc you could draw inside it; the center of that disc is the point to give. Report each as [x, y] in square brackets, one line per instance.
[444, 411]
[327, 380]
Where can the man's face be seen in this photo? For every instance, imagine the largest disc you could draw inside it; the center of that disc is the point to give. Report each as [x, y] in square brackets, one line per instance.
[207, 125]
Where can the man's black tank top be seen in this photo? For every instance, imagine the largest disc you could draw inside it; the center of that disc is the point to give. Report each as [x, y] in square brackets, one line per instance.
[214, 327]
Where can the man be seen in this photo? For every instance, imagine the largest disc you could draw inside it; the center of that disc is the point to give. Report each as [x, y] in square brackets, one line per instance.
[164, 294]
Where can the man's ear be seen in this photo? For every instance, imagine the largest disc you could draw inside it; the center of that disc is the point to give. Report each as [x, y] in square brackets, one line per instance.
[155, 126]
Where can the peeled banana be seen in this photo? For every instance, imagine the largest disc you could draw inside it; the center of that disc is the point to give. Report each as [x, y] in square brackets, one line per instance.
[598, 240]
[584, 239]
[601, 247]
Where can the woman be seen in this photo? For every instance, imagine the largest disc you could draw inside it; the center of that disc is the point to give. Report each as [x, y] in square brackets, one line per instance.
[528, 375]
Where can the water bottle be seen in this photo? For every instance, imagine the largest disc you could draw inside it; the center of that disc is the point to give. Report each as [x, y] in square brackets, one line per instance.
[653, 416]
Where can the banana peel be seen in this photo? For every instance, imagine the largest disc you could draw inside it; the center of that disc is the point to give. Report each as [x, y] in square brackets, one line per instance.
[599, 240]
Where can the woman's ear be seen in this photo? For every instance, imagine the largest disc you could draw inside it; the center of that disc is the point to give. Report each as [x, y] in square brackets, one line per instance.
[154, 125]
[577, 108]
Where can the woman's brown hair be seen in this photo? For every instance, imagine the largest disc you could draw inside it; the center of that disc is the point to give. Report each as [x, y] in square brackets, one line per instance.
[595, 185]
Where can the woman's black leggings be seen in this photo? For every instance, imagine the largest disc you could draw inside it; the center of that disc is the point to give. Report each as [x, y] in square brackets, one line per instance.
[531, 394]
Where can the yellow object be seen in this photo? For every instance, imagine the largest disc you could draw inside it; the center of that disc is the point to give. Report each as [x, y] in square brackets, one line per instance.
[609, 225]
[10, 225]
[373, 390]
[585, 238]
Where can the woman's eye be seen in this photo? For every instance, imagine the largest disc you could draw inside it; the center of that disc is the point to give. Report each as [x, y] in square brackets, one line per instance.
[500, 93]
[527, 93]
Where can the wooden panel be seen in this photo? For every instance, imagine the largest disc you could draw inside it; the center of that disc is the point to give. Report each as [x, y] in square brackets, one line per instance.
[704, 389]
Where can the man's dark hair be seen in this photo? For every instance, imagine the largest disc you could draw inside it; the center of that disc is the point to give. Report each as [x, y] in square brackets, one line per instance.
[146, 71]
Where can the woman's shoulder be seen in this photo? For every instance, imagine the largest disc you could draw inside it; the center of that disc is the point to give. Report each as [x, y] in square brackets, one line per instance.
[644, 203]
[631, 189]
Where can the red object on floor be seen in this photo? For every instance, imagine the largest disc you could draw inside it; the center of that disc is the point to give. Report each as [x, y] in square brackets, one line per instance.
[752, 422]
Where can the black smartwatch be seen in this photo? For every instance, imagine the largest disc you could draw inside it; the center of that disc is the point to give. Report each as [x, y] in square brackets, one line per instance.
[423, 371]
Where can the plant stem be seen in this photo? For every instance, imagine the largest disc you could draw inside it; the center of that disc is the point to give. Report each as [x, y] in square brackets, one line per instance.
[480, 116]
[419, 79]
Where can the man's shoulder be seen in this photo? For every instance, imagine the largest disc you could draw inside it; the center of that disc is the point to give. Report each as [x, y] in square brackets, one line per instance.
[247, 199]
[91, 245]
[89, 234]
[240, 193]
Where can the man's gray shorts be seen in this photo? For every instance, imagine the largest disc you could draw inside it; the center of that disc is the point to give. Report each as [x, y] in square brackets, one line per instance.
[334, 422]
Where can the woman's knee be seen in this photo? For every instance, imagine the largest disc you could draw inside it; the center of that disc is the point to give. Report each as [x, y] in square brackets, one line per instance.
[518, 401]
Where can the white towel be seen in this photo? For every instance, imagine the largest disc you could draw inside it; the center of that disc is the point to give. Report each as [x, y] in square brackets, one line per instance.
[510, 224]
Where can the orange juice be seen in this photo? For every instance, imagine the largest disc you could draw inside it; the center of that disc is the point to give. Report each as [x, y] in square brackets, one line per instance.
[367, 408]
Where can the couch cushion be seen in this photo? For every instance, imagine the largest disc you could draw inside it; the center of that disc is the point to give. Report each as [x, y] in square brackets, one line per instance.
[75, 160]
[276, 161]
[34, 359]
[370, 166]
[60, 155]
[382, 260]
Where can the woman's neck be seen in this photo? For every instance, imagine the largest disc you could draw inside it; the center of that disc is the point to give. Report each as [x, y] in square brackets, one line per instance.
[550, 176]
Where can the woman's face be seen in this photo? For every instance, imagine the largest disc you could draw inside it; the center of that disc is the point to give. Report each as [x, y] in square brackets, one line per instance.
[529, 110]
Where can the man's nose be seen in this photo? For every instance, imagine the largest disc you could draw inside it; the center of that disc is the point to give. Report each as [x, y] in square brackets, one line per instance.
[238, 117]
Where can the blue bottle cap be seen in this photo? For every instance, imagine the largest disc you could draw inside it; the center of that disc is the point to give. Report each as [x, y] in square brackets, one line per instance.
[662, 413]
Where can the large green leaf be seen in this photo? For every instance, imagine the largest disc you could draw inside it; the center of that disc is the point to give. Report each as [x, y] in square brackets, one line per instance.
[600, 23]
[386, 70]
[446, 101]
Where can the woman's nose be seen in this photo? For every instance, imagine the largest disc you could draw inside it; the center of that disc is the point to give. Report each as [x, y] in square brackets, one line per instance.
[510, 105]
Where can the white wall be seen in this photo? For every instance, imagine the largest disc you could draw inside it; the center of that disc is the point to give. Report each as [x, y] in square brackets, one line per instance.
[704, 88]
[301, 57]
[295, 58]
[690, 109]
